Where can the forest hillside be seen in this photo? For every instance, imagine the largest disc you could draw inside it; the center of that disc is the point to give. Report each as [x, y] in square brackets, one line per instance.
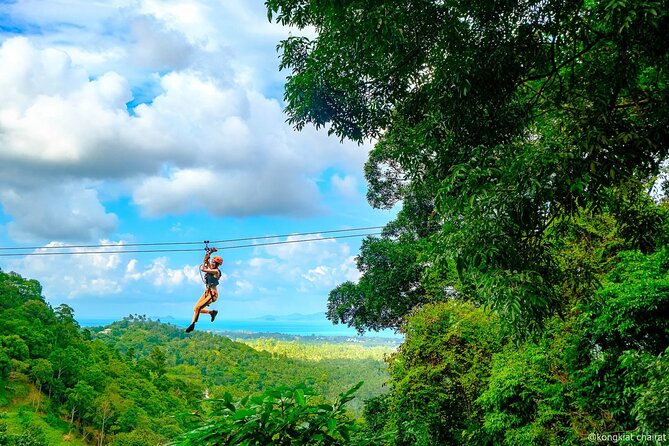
[139, 381]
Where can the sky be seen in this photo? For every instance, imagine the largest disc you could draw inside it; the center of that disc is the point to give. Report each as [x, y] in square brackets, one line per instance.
[152, 121]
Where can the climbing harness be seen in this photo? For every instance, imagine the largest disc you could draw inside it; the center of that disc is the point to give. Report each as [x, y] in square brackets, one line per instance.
[204, 277]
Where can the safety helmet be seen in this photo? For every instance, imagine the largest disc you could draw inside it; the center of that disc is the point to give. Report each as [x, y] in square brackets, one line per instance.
[218, 259]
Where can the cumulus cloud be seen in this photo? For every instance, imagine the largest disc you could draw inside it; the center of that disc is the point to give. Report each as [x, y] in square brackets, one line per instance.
[348, 269]
[313, 267]
[161, 276]
[234, 193]
[243, 287]
[59, 212]
[329, 276]
[276, 272]
[320, 274]
[116, 113]
[159, 49]
[203, 143]
[57, 123]
[73, 276]
[314, 247]
[106, 273]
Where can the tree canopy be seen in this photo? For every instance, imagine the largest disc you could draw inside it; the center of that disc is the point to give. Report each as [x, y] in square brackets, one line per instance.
[493, 121]
[520, 140]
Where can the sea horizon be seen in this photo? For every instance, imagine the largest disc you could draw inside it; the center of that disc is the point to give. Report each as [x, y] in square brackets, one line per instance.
[288, 325]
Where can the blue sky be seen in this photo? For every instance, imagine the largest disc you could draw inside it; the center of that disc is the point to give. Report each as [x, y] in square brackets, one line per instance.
[141, 121]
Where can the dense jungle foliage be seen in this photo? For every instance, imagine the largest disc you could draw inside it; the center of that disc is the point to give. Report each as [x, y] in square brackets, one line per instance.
[523, 144]
[141, 382]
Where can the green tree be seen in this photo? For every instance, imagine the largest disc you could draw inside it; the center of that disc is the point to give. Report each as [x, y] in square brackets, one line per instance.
[15, 347]
[626, 335]
[598, 370]
[506, 117]
[79, 401]
[139, 437]
[31, 436]
[439, 373]
[66, 327]
[15, 291]
[650, 409]
[281, 416]
[389, 288]
[130, 419]
[5, 365]
[527, 400]
[157, 362]
[104, 414]
[42, 372]
[3, 433]
[67, 365]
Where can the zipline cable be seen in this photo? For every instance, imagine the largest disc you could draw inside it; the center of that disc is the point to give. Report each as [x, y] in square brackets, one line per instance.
[110, 245]
[132, 251]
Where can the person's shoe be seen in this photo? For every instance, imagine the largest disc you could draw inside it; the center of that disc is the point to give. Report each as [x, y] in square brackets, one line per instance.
[190, 328]
[213, 314]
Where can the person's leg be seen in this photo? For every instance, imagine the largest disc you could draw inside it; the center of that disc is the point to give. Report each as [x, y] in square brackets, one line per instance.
[200, 307]
[213, 296]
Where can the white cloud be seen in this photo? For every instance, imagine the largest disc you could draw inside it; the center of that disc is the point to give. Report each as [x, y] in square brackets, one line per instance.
[320, 275]
[348, 269]
[59, 124]
[313, 267]
[313, 247]
[204, 143]
[157, 48]
[131, 272]
[329, 276]
[189, 18]
[259, 262]
[80, 275]
[161, 276]
[29, 73]
[174, 107]
[58, 212]
[243, 287]
[347, 186]
[106, 273]
[227, 193]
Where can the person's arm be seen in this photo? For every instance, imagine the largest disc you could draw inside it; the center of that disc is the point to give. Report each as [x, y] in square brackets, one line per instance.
[209, 269]
[206, 266]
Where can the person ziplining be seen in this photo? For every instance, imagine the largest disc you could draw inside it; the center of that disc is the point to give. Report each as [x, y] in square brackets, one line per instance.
[212, 274]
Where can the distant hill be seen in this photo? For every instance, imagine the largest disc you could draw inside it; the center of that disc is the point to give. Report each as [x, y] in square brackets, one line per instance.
[291, 317]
